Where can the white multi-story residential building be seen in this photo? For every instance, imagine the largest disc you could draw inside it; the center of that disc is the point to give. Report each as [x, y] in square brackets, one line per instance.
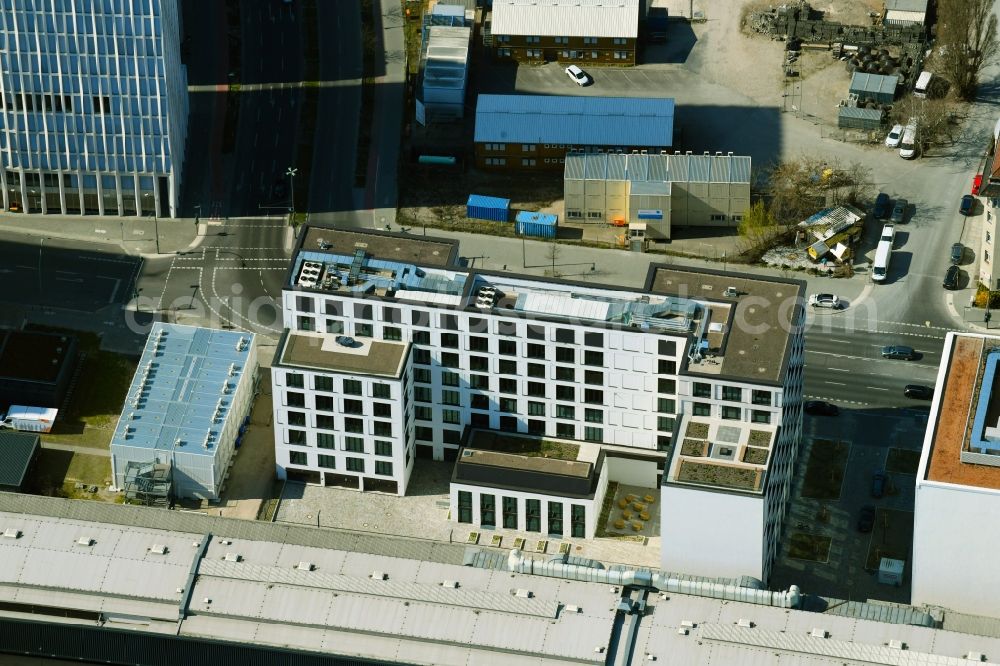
[618, 372]
[957, 497]
[93, 116]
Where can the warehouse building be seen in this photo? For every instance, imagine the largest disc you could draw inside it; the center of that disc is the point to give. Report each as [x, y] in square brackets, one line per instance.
[184, 410]
[410, 349]
[905, 12]
[18, 452]
[653, 193]
[537, 131]
[587, 32]
[879, 88]
[146, 586]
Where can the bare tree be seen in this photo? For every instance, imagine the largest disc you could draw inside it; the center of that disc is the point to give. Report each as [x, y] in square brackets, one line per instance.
[967, 38]
[933, 118]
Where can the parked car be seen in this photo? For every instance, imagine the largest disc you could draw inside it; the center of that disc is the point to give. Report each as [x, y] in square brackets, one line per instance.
[899, 352]
[918, 391]
[879, 482]
[957, 250]
[882, 206]
[577, 75]
[821, 408]
[951, 278]
[825, 301]
[866, 518]
[899, 211]
[977, 182]
[895, 134]
[967, 205]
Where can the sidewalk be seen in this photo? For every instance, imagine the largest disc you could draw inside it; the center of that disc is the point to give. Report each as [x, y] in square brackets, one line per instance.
[143, 236]
[387, 122]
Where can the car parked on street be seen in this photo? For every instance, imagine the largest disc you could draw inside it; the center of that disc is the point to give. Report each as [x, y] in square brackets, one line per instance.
[866, 518]
[968, 204]
[899, 211]
[899, 352]
[882, 207]
[957, 250]
[951, 278]
[821, 408]
[825, 301]
[894, 136]
[577, 75]
[918, 391]
[879, 483]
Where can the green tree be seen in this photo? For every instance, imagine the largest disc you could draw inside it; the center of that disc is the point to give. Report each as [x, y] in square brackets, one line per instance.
[967, 42]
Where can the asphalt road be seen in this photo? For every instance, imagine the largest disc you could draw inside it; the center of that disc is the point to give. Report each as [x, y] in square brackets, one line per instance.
[43, 274]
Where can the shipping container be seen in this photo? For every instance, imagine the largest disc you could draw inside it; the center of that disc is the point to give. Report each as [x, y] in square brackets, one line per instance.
[540, 225]
[480, 207]
[852, 117]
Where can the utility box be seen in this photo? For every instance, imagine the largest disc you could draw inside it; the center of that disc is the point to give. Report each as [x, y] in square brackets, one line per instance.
[890, 572]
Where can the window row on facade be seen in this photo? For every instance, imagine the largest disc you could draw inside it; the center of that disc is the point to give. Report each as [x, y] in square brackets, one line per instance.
[550, 517]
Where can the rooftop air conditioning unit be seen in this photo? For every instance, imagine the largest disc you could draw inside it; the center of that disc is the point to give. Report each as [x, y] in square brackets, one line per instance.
[233, 557]
[573, 608]
[897, 645]
[379, 575]
[304, 566]
[11, 533]
[158, 549]
[688, 624]
[975, 657]
[731, 292]
[818, 633]
[453, 584]
[522, 593]
[745, 623]
[85, 541]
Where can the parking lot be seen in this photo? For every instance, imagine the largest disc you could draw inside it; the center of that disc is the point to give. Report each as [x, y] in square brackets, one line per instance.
[843, 561]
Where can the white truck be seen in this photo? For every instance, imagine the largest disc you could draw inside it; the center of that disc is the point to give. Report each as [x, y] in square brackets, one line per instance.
[888, 233]
[29, 419]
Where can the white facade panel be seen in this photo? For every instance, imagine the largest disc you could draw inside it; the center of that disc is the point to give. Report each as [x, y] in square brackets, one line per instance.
[711, 533]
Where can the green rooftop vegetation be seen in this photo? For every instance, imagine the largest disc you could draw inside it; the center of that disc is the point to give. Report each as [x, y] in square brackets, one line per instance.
[697, 430]
[524, 446]
[694, 447]
[724, 476]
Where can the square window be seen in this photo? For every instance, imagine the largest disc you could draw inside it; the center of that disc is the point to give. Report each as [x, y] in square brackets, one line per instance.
[383, 468]
[382, 410]
[295, 380]
[536, 409]
[295, 399]
[536, 427]
[297, 419]
[334, 326]
[420, 318]
[449, 322]
[381, 391]
[536, 351]
[449, 378]
[564, 392]
[328, 462]
[354, 444]
[507, 367]
[304, 303]
[323, 383]
[334, 308]
[701, 409]
[535, 332]
[353, 406]
[761, 398]
[508, 404]
[732, 393]
[450, 397]
[449, 340]
[593, 377]
[479, 344]
[383, 448]
[536, 389]
[325, 440]
[422, 356]
[759, 416]
[508, 385]
[422, 375]
[421, 337]
[664, 385]
[298, 458]
[449, 360]
[566, 336]
[363, 330]
[566, 430]
[354, 425]
[593, 397]
[451, 416]
[593, 339]
[356, 465]
[593, 416]
[667, 347]
[479, 364]
[304, 323]
[479, 401]
[666, 406]
[564, 374]
[508, 347]
[565, 412]
[325, 422]
[701, 390]
[382, 428]
[591, 357]
[731, 413]
[392, 333]
[480, 382]
[392, 315]
[324, 403]
[297, 437]
[422, 394]
[362, 311]
[536, 370]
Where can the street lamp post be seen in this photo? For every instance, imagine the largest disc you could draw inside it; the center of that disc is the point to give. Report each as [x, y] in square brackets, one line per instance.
[290, 172]
[40, 242]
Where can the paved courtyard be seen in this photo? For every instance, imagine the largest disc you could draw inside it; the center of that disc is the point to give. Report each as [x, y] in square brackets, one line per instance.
[423, 514]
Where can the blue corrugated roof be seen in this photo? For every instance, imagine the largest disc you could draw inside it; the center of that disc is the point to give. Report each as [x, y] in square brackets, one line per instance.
[537, 218]
[487, 202]
[575, 121]
[180, 382]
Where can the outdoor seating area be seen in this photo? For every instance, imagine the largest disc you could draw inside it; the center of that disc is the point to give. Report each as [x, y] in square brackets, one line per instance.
[634, 512]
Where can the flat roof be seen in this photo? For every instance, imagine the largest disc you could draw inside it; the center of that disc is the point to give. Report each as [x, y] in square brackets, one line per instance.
[575, 121]
[721, 454]
[754, 327]
[261, 595]
[17, 449]
[954, 414]
[566, 18]
[426, 251]
[182, 392]
[324, 351]
[33, 356]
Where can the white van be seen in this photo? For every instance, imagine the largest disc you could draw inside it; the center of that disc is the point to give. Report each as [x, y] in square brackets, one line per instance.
[923, 82]
[908, 145]
[880, 267]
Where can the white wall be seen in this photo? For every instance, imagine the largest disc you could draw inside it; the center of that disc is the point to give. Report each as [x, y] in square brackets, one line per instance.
[711, 533]
[631, 472]
[955, 544]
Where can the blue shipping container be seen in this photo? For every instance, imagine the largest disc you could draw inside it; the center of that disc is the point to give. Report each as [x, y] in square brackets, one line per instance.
[480, 207]
[540, 225]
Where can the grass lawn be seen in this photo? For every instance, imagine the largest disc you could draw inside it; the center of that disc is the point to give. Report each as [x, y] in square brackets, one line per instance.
[96, 403]
[891, 537]
[825, 471]
[809, 547]
[903, 461]
[58, 472]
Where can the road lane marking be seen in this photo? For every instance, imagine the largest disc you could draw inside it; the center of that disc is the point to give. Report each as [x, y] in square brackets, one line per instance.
[859, 358]
[835, 383]
[839, 369]
[876, 388]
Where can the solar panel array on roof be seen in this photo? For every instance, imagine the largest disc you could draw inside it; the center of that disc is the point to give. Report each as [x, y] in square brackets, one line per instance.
[575, 121]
